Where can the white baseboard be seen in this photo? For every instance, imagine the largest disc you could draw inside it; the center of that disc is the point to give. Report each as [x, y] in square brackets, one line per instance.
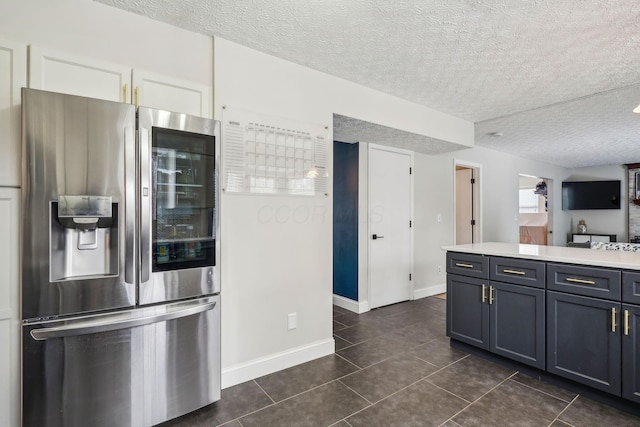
[429, 291]
[351, 305]
[276, 362]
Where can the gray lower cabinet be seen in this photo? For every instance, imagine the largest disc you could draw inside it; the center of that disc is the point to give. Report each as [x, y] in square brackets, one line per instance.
[467, 310]
[583, 340]
[517, 323]
[503, 318]
[631, 352]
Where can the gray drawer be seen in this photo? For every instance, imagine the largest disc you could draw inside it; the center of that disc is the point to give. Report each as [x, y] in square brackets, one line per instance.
[589, 281]
[517, 271]
[470, 265]
[631, 287]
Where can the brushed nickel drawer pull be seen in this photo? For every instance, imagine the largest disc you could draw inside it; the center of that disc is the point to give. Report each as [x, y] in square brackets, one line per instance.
[519, 273]
[584, 282]
[459, 264]
[613, 319]
[626, 322]
[484, 293]
[491, 294]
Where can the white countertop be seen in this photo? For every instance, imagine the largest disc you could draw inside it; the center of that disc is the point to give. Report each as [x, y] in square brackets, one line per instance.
[596, 257]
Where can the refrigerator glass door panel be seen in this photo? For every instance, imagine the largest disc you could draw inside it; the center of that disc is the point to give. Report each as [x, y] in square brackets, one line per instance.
[179, 250]
[152, 364]
[183, 204]
[77, 149]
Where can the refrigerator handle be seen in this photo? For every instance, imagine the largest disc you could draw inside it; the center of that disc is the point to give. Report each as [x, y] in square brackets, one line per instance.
[145, 204]
[116, 322]
[130, 210]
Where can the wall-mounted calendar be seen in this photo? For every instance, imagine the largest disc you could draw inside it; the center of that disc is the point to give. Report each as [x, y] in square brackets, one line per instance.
[272, 155]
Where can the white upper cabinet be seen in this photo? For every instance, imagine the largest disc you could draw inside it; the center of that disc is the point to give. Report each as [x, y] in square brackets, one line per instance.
[65, 73]
[9, 307]
[168, 93]
[13, 76]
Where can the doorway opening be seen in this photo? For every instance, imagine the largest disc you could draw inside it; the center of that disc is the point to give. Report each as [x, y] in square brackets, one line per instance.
[534, 210]
[467, 183]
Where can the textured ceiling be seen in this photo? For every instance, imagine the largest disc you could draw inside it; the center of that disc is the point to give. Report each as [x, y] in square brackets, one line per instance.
[474, 59]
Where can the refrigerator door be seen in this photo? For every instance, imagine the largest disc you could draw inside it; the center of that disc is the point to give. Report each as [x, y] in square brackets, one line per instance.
[178, 187]
[137, 367]
[78, 205]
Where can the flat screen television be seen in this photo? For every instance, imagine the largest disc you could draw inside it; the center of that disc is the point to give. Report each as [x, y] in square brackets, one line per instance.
[582, 195]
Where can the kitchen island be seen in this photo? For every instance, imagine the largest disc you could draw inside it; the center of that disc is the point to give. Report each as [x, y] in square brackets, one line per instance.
[568, 312]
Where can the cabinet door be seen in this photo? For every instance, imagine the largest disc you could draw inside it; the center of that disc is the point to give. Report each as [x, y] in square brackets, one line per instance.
[9, 308]
[631, 352]
[65, 73]
[13, 76]
[517, 323]
[583, 340]
[467, 310]
[171, 94]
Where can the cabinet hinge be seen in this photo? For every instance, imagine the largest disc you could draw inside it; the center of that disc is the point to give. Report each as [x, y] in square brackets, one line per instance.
[473, 222]
[409, 276]
[409, 171]
[409, 223]
[473, 180]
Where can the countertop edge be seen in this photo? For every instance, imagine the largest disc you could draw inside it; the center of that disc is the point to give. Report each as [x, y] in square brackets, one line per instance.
[579, 256]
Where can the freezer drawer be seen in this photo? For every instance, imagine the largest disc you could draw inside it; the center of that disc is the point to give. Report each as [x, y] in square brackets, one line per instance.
[134, 368]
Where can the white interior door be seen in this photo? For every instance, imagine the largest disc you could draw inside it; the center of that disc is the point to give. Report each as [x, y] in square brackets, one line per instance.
[390, 213]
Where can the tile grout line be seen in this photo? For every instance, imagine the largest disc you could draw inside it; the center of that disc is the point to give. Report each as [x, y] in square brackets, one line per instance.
[348, 361]
[557, 418]
[264, 391]
[540, 391]
[367, 400]
[474, 401]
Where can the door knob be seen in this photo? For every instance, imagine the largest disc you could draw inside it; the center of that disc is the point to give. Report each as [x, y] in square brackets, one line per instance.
[376, 237]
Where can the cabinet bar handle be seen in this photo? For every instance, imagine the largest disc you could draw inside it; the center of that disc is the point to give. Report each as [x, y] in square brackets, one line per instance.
[626, 322]
[491, 294]
[613, 319]
[125, 89]
[484, 293]
[520, 273]
[459, 264]
[584, 282]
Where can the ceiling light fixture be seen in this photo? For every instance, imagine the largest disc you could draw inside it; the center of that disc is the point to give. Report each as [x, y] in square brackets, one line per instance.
[637, 109]
[500, 133]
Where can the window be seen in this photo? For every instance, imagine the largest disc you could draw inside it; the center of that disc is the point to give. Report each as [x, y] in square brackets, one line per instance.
[529, 201]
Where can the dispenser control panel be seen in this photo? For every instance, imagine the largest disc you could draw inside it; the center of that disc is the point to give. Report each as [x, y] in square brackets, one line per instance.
[84, 206]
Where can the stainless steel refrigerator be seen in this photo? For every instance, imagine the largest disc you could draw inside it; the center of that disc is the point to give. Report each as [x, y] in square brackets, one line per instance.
[120, 263]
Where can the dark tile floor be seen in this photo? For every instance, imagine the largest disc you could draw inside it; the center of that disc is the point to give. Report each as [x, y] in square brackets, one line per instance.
[393, 366]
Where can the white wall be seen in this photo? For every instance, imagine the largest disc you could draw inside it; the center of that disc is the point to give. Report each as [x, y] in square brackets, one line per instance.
[499, 181]
[606, 221]
[271, 269]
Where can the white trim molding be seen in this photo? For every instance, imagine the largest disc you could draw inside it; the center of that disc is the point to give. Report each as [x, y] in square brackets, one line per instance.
[429, 291]
[351, 305]
[252, 369]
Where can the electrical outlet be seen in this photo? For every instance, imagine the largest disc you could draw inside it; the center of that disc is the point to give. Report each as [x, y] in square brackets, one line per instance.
[292, 321]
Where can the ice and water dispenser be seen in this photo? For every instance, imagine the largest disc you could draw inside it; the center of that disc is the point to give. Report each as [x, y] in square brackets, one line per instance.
[83, 237]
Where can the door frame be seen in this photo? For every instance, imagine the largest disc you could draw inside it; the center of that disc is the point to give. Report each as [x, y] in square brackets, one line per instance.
[379, 147]
[477, 198]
